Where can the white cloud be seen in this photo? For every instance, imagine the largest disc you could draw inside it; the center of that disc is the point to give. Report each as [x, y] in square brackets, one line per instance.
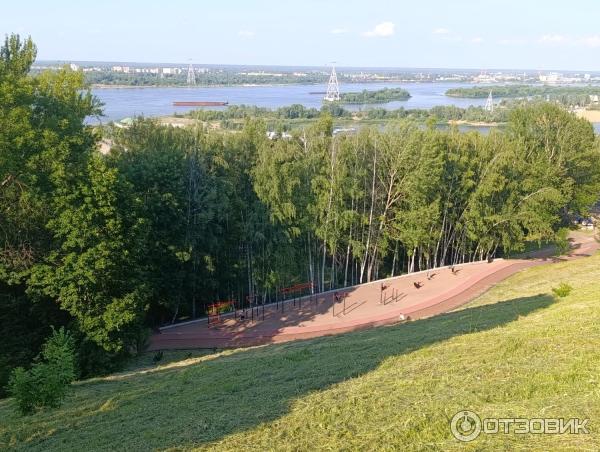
[477, 40]
[382, 30]
[591, 41]
[512, 41]
[553, 39]
[246, 34]
[338, 31]
[447, 35]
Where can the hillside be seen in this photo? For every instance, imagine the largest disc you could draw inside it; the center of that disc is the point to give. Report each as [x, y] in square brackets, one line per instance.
[516, 351]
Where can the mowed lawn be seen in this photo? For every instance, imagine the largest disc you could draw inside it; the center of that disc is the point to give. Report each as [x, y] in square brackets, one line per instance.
[514, 352]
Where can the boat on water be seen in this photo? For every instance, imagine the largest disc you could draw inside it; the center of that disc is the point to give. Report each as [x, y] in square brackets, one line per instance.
[201, 103]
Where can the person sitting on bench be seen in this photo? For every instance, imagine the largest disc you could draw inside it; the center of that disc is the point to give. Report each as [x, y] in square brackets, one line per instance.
[418, 284]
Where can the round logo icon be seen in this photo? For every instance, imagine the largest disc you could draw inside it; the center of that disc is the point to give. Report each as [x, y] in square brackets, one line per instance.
[465, 426]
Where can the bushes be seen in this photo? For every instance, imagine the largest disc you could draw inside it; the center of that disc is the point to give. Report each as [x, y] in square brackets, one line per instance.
[563, 290]
[562, 242]
[45, 384]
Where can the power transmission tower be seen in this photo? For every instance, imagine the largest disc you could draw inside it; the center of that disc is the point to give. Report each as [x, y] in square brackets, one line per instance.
[191, 75]
[489, 104]
[333, 88]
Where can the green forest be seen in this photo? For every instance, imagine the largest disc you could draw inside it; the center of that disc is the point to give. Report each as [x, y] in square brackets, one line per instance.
[203, 78]
[229, 76]
[565, 95]
[380, 96]
[172, 219]
[297, 116]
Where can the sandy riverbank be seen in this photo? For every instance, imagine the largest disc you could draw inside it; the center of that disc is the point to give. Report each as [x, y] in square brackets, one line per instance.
[590, 115]
[473, 123]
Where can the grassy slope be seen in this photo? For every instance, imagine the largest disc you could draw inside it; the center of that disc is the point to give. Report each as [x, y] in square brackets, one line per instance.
[513, 352]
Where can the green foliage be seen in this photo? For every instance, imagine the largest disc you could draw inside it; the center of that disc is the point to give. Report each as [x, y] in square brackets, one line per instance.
[44, 146]
[335, 110]
[288, 113]
[513, 350]
[565, 95]
[96, 272]
[562, 290]
[174, 219]
[46, 382]
[93, 359]
[25, 327]
[375, 97]
[158, 356]
[215, 77]
[562, 241]
[16, 57]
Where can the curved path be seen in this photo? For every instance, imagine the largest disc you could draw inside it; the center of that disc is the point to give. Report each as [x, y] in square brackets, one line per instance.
[317, 316]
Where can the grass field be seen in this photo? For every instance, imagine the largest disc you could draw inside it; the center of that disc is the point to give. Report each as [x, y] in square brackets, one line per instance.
[514, 352]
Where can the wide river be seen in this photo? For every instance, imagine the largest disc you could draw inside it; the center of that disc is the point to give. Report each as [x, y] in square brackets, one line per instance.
[121, 103]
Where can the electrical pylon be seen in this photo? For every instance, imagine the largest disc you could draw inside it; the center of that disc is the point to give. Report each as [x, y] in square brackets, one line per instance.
[191, 75]
[489, 104]
[333, 88]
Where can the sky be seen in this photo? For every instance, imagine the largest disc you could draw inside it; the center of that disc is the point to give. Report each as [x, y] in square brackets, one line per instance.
[484, 34]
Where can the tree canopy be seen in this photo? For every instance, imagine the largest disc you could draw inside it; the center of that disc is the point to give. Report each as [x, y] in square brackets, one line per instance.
[174, 219]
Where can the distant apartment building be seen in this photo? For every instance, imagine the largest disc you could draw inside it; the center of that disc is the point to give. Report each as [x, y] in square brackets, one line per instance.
[263, 73]
[123, 69]
[171, 71]
[552, 78]
[484, 78]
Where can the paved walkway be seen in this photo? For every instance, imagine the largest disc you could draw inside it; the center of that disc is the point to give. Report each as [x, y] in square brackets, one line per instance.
[320, 316]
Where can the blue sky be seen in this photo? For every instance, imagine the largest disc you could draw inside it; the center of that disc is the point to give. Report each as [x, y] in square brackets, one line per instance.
[450, 33]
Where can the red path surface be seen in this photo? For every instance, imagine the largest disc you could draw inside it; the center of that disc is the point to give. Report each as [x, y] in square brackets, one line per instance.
[318, 317]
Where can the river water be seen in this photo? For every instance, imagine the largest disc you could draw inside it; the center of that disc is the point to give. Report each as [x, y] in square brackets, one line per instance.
[121, 103]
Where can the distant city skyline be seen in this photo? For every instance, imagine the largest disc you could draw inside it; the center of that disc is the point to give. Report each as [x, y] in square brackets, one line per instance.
[462, 34]
[325, 68]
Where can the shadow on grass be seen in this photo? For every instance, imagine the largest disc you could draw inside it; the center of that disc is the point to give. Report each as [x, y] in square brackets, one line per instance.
[209, 400]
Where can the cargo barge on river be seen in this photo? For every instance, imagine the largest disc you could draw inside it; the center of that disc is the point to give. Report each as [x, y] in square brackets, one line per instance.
[199, 104]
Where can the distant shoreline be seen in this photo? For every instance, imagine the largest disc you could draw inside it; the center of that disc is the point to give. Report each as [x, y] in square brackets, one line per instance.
[454, 122]
[256, 85]
[245, 85]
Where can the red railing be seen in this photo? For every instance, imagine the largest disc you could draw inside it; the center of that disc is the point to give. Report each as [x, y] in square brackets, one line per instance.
[295, 291]
[215, 310]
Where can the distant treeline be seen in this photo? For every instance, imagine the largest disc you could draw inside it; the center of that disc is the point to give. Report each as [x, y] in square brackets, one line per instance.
[220, 77]
[375, 97]
[443, 113]
[294, 111]
[566, 95]
[299, 112]
[202, 78]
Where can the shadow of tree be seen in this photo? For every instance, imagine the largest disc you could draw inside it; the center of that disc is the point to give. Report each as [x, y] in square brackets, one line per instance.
[209, 400]
[259, 325]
